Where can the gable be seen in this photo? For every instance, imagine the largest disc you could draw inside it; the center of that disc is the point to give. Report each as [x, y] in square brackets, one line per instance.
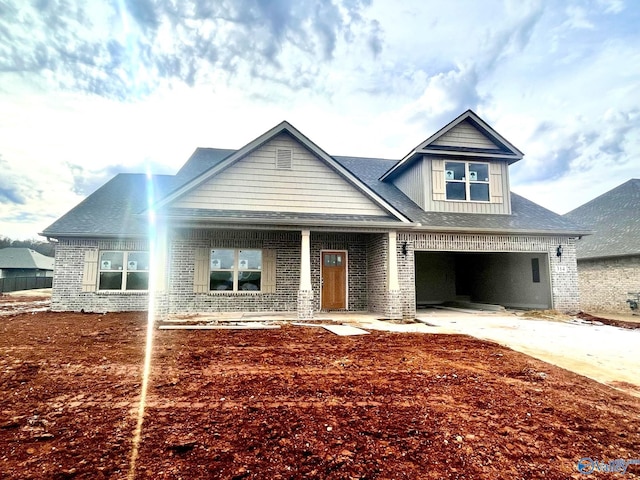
[282, 175]
[466, 135]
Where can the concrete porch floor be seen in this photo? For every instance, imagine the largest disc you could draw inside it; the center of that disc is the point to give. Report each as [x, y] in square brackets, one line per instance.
[365, 320]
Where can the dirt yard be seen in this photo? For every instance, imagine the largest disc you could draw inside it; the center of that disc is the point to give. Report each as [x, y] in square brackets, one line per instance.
[294, 403]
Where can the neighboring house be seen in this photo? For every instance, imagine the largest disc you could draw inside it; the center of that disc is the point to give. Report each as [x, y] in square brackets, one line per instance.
[24, 262]
[609, 260]
[280, 225]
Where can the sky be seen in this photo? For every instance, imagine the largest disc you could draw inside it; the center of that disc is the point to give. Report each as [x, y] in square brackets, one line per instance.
[92, 89]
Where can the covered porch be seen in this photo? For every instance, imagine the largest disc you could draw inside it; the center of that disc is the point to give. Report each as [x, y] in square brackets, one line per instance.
[304, 272]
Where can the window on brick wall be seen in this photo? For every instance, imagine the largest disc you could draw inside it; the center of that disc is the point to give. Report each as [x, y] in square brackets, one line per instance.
[122, 270]
[234, 269]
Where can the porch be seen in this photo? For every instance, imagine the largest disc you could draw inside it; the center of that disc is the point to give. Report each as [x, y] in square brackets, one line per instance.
[301, 272]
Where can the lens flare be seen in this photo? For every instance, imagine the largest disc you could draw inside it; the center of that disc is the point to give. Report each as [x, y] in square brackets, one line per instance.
[153, 266]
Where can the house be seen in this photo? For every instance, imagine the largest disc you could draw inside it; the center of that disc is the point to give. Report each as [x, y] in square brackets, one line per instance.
[281, 225]
[24, 262]
[609, 260]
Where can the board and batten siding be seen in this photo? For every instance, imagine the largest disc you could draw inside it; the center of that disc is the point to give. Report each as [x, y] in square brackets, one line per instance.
[435, 198]
[465, 135]
[254, 183]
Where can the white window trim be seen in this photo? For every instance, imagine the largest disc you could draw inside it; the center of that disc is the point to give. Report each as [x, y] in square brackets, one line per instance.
[124, 271]
[467, 182]
[236, 270]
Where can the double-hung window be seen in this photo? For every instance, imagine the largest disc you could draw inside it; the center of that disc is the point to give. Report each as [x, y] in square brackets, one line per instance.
[233, 269]
[467, 181]
[119, 270]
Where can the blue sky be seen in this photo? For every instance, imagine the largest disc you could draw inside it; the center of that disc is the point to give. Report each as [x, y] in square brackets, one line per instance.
[90, 89]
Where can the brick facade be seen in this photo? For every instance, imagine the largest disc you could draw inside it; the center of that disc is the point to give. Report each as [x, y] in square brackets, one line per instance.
[605, 282]
[67, 294]
[367, 270]
[563, 270]
[355, 246]
[182, 248]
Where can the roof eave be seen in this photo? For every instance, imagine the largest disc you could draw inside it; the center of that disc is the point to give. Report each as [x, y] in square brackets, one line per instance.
[470, 153]
[214, 221]
[57, 236]
[511, 231]
[606, 257]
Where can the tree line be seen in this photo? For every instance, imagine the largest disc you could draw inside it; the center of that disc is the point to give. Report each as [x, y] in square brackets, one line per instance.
[45, 248]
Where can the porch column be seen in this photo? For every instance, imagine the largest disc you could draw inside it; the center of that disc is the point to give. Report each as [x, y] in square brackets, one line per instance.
[305, 293]
[394, 304]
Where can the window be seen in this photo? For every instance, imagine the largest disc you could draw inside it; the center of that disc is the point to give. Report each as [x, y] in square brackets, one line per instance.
[123, 271]
[535, 270]
[467, 181]
[235, 270]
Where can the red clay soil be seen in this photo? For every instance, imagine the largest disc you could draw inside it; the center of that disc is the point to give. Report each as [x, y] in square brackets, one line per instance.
[294, 403]
[608, 321]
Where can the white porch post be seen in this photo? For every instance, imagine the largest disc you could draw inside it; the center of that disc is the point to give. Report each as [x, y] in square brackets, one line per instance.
[392, 272]
[305, 293]
[305, 262]
[394, 303]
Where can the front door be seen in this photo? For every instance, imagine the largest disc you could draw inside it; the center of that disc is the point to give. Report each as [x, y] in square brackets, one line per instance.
[334, 280]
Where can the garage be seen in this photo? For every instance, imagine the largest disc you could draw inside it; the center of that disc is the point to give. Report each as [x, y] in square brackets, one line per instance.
[514, 280]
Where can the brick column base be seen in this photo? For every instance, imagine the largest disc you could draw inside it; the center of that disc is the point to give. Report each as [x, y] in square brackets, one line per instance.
[161, 306]
[305, 304]
[393, 308]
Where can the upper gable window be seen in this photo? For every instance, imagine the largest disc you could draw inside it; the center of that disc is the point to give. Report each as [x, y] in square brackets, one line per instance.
[467, 181]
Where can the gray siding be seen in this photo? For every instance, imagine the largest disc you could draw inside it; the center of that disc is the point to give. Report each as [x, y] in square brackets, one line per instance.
[465, 135]
[412, 183]
[254, 183]
[500, 202]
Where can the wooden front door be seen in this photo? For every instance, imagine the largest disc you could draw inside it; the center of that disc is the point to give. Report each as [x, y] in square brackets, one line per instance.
[334, 280]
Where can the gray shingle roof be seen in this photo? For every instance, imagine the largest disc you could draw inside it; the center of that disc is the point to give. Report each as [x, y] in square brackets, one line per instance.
[14, 257]
[614, 217]
[526, 216]
[116, 209]
[201, 160]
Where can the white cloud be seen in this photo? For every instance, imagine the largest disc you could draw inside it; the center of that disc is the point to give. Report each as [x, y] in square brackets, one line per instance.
[91, 89]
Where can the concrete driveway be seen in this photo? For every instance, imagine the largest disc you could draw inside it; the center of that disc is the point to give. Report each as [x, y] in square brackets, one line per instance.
[601, 352]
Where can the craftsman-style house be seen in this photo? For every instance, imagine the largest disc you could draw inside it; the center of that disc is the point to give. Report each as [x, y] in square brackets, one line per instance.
[281, 225]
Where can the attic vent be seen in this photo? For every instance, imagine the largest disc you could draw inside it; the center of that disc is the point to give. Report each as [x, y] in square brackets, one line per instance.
[283, 159]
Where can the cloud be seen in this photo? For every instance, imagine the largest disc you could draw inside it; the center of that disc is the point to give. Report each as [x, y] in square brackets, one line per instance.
[127, 49]
[577, 18]
[511, 39]
[446, 95]
[375, 41]
[579, 147]
[88, 180]
[13, 188]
